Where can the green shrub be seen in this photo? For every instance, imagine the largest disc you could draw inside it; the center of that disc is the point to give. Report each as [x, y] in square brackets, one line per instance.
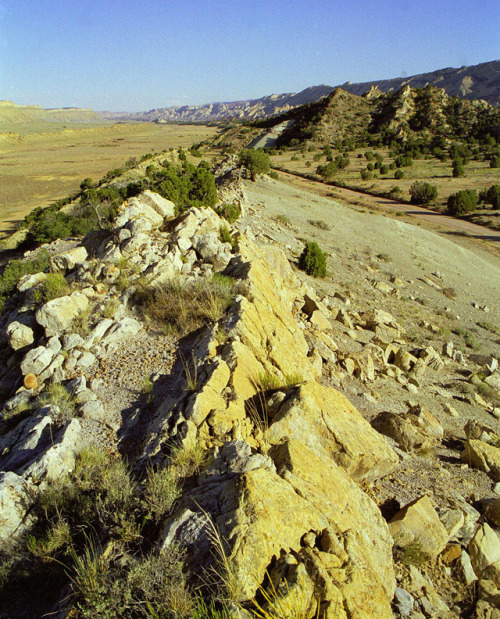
[462, 202]
[403, 161]
[491, 196]
[384, 169]
[458, 169]
[399, 174]
[225, 236]
[230, 212]
[255, 161]
[274, 175]
[366, 175]
[17, 269]
[495, 162]
[422, 192]
[161, 490]
[327, 171]
[53, 287]
[313, 260]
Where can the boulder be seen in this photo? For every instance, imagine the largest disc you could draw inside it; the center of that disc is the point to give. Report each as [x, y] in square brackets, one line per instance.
[27, 282]
[356, 546]
[59, 457]
[26, 441]
[211, 250]
[148, 207]
[416, 430]
[418, 525]
[484, 551]
[19, 335]
[311, 510]
[320, 321]
[198, 221]
[164, 207]
[67, 260]
[120, 330]
[15, 501]
[482, 456]
[492, 511]
[328, 423]
[37, 360]
[57, 315]
[208, 397]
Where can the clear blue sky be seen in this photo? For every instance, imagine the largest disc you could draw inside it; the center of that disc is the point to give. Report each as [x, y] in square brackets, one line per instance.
[139, 54]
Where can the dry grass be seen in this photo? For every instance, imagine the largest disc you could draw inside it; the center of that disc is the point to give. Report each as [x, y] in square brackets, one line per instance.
[186, 306]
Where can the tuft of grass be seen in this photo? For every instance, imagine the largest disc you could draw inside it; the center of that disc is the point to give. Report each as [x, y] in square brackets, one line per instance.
[319, 223]
[187, 460]
[449, 293]
[285, 604]
[384, 257]
[258, 411]
[469, 340]
[81, 323]
[187, 306]
[312, 260]
[111, 308]
[230, 212]
[283, 219]
[489, 392]
[161, 490]
[190, 373]
[17, 269]
[266, 381]
[489, 326]
[413, 555]
[225, 236]
[228, 583]
[57, 395]
[53, 287]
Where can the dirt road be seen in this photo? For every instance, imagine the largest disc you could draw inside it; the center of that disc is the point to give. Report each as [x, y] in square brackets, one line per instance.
[432, 220]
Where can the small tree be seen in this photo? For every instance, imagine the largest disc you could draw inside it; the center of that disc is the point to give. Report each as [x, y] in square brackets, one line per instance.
[255, 161]
[313, 260]
[87, 183]
[491, 196]
[398, 174]
[328, 171]
[422, 192]
[495, 162]
[458, 168]
[462, 202]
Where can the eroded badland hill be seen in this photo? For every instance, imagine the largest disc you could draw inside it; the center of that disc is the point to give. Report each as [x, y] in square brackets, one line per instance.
[192, 426]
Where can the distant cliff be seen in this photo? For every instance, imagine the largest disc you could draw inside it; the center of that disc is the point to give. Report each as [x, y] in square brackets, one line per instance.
[480, 81]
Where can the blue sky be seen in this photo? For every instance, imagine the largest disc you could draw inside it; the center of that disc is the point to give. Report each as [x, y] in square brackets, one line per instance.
[136, 55]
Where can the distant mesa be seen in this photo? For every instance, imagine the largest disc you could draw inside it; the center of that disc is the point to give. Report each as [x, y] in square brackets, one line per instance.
[12, 114]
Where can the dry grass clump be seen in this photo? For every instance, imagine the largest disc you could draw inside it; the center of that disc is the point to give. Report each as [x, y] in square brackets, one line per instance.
[187, 306]
[57, 395]
[319, 223]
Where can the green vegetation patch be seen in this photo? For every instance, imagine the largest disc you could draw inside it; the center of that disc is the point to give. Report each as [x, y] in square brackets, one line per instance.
[312, 260]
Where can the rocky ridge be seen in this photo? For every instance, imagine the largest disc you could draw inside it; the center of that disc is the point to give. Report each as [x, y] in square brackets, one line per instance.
[294, 467]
